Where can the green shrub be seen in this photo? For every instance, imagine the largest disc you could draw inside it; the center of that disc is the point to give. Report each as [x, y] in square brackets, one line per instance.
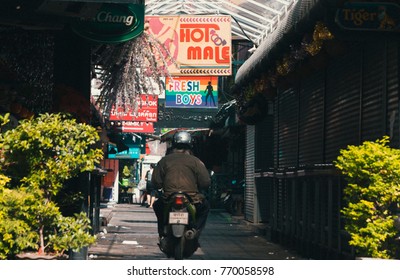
[39, 156]
[16, 233]
[372, 197]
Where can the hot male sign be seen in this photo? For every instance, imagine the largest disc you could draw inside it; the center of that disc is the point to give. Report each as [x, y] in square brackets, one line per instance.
[198, 45]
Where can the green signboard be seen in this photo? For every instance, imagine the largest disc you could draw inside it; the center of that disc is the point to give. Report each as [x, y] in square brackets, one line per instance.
[113, 23]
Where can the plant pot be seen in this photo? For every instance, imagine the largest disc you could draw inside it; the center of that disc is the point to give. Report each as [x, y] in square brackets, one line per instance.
[36, 256]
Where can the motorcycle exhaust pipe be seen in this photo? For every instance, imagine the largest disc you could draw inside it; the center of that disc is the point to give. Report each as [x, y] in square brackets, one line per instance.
[191, 234]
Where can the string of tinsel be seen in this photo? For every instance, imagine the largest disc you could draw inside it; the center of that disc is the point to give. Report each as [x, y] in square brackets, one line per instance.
[130, 70]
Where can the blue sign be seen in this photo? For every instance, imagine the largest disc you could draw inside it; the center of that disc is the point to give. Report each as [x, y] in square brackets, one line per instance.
[131, 153]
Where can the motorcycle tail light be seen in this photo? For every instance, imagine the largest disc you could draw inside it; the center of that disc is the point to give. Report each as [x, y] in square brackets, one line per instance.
[179, 200]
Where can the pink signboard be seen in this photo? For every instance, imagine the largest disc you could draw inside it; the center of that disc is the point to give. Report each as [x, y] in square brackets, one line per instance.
[147, 110]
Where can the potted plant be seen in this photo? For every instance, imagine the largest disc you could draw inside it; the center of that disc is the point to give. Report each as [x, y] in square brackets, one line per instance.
[372, 197]
[36, 159]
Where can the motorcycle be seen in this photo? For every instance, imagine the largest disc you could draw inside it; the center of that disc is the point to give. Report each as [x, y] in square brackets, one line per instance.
[180, 240]
[232, 198]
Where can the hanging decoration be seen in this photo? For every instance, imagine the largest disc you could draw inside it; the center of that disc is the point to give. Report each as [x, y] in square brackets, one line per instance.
[129, 70]
[310, 46]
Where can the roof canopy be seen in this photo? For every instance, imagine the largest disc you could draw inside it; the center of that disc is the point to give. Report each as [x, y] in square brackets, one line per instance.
[252, 20]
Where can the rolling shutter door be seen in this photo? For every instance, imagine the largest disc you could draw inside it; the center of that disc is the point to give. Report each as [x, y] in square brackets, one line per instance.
[286, 132]
[393, 90]
[264, 144]
[311, 122]
[342, 103]
[250, 194]
[373, 88]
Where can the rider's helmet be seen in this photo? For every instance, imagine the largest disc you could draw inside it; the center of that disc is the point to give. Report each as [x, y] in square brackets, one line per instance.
[182, 140]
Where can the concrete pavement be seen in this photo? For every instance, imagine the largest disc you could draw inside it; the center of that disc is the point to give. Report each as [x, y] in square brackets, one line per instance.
[131, 233]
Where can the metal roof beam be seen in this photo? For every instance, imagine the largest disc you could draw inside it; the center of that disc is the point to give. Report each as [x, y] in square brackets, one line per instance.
[244, 19]
[252, 19]
[161, 4]
[228, 3]
[240, 34]
[287, 3]
[248, 28]
[265, 7]
[245, 25]
[245, 35]
[175, 10]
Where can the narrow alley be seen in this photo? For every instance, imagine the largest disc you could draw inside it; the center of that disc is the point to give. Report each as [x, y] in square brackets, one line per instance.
[131, 233]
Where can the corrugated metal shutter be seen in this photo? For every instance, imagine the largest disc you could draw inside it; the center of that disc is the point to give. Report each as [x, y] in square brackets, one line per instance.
[287, 128]
[250, 194]
[263, 162]
[393, 89]
[342, 103]
[311, 124]
[265, 201]
[373, 88]
[264, 144]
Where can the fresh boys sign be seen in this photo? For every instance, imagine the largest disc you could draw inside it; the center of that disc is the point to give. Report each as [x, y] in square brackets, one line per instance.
[192, 92]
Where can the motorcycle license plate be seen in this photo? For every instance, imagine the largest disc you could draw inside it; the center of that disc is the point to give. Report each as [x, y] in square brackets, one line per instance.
[180, 218]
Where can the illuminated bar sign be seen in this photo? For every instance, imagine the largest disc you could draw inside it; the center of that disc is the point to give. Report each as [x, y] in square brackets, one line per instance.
[369, 16]
[113, 23]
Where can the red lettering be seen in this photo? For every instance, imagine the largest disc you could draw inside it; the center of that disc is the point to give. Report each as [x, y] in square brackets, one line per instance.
[192, 98]
[196, 32]
[222, 55]
[225, 55]
[208, 53]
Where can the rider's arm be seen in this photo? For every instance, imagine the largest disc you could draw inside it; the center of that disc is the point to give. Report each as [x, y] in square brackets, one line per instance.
[203, 176]
[156, 178]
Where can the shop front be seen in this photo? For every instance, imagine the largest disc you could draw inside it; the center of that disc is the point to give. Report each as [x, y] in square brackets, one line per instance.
[326, 84]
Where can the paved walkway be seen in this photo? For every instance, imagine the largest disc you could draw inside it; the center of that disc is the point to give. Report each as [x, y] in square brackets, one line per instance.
[131, 233]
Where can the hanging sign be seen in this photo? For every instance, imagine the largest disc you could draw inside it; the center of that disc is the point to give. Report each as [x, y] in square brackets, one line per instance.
[191, 92]
[132, 152]
[113, 23]
[147, 110]
[138, 127]
[199, 45]
[369, 16]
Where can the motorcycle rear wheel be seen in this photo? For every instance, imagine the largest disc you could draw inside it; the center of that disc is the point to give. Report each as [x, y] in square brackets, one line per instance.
[179, 248]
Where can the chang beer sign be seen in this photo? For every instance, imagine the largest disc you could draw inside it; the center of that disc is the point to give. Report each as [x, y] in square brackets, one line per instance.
[369, 16]
[113, 23]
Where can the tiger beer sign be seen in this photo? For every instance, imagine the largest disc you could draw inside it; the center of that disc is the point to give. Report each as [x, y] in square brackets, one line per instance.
[198, 45]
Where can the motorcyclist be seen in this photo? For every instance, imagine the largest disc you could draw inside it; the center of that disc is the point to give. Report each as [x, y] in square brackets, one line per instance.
[180, 170]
